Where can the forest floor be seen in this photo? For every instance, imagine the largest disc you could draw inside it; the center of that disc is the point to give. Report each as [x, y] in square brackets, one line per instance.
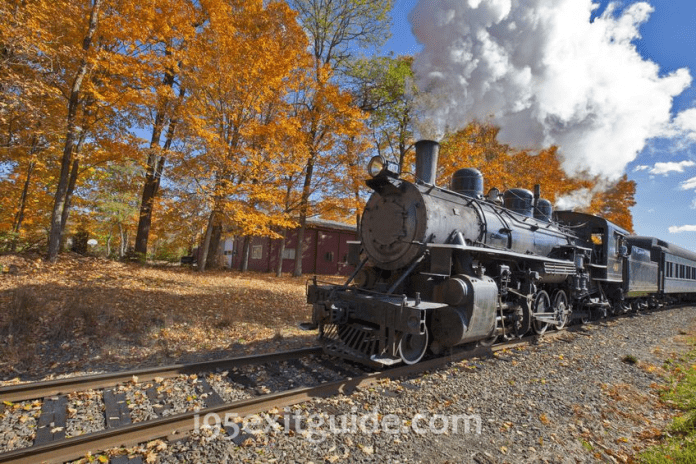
[85, 314]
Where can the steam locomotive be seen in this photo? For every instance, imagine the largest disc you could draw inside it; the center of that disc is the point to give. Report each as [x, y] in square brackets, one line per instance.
[440, 267]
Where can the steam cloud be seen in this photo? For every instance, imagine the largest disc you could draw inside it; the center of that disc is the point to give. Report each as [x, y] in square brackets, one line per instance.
[577, 199]
[546, 75]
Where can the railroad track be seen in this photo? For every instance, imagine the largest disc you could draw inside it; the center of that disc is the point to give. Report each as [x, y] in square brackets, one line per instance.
[330, 378]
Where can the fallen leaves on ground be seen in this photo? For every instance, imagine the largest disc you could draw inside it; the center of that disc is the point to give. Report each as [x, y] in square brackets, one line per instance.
[80, 309]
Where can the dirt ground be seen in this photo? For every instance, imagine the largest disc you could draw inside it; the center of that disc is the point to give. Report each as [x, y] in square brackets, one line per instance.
[86, 314]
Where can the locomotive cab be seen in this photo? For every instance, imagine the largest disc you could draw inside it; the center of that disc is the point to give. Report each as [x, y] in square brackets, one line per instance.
[604, 238]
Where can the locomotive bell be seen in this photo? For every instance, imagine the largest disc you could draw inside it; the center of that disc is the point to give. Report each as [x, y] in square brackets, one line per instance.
[519, 200]
[469, 182]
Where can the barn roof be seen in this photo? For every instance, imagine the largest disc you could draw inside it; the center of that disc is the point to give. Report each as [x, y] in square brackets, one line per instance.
[323, 223]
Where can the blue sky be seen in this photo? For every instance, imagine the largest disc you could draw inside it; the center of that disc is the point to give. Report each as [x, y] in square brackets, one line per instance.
[664, 167]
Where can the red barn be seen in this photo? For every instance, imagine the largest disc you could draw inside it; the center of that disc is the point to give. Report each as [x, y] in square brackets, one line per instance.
[325, 250]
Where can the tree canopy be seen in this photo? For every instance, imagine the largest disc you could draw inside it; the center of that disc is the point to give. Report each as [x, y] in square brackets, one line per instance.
[156, 127]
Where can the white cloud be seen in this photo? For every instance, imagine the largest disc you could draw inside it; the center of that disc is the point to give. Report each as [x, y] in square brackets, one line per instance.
[688, 184]
[685, 122]
[546, 75]
[680, 229]
[693, 204]
[666, 168]
[642, 167]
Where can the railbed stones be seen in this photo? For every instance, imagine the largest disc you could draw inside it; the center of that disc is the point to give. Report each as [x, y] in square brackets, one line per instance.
[18, 422]
[568, 400]
[571, 400]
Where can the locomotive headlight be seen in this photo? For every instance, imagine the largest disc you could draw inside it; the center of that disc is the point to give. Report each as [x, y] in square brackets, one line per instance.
[380, 167]
[375, 167]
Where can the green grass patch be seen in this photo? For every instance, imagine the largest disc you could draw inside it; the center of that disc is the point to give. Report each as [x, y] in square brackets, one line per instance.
[680, 393]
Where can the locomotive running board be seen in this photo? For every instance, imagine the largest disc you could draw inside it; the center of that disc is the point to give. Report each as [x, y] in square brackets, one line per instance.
[495, 251]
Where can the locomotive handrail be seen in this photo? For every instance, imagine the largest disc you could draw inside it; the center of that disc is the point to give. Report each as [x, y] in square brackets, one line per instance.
[547, 226]
[489, 250]
[355, 272]
[406, 273]
[482, 215]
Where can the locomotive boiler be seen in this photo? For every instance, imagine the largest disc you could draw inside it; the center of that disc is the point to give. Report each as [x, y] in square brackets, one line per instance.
[439, 267]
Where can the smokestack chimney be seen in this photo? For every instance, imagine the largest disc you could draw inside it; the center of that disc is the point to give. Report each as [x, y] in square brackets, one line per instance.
[426, 161]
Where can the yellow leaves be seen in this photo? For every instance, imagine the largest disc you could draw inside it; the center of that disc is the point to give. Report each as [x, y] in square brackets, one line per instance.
[614, 203]
[157, 445]
[368, 450]
[506, 426]
[247, 64]
[505, 167]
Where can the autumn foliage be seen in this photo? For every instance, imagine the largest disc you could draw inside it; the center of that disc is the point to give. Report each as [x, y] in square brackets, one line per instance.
[159, 126]
[504, 168]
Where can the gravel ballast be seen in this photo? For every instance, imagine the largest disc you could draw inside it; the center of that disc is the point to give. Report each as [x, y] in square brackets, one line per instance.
[586, 397]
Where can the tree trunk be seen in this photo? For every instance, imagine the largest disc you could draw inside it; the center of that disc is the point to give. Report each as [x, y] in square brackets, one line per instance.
[57, 224]
[108, 245]
[155, 166]
[69, 192]
[203, 251]
[281, 252]
[214, 249]
[304, 209]
[121, 248]
[19, 217]
[299, 249]
[245, 254]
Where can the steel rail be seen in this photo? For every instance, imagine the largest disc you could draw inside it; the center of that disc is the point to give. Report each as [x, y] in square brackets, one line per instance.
[35, 390]
[180, 424]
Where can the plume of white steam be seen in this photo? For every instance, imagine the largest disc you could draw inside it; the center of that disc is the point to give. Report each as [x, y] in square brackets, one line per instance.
[546, 75]
[580, 198]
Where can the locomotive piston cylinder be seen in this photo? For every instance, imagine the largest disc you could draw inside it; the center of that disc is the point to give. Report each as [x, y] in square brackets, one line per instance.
[470, 314]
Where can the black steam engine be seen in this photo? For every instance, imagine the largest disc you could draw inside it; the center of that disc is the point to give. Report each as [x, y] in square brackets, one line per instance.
[437, 268]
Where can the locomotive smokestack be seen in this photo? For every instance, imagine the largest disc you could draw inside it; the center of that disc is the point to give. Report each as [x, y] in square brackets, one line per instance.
[537, 194]
[426, 161]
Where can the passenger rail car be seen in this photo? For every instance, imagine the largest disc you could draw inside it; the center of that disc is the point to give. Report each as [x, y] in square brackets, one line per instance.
[676, 277]
[438, 267]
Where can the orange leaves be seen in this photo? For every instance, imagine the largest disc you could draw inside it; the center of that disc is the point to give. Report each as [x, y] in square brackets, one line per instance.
[614, 202]
[504, 168]
[241, 71]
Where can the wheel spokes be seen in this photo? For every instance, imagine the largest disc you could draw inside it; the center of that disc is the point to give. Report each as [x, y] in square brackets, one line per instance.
[541, 310]
[561, 309]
